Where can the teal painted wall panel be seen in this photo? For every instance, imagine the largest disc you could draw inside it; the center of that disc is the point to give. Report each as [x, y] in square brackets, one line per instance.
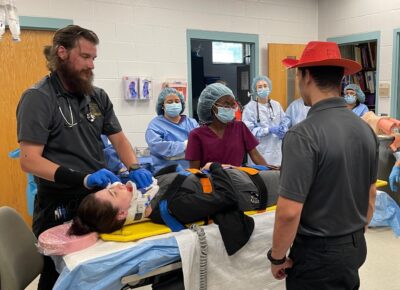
[43, 23]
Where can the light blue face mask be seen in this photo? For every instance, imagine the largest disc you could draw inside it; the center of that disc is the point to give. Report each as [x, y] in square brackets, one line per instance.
[173, 110]
[263, 93]
[225, 115]
[349, 99]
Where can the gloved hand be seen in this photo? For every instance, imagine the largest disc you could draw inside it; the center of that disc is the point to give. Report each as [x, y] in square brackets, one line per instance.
[282, 131]
[142, 177]
[274, 130]
[259, 167]
[101, 178]
[394, 178]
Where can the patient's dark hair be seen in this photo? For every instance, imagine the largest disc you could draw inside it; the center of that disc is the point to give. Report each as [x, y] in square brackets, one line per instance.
[95, 215]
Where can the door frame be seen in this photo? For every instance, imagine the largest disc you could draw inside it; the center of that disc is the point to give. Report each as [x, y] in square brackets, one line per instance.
[43, 23]
[223, 36]
[394, 106]
[363, 37]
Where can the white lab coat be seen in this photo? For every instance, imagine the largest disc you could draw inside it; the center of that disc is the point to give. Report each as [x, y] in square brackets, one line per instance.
[270, 144]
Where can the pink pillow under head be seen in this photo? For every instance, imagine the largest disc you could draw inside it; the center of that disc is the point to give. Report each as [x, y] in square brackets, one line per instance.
[56, 242]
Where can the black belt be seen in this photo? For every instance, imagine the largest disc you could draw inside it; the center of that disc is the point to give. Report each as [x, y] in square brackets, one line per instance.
[339, 240]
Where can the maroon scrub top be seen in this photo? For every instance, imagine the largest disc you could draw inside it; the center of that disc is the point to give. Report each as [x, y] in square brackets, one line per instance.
[206, 146]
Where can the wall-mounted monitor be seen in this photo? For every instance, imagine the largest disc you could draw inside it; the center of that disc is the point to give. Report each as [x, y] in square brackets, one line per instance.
[227, 52]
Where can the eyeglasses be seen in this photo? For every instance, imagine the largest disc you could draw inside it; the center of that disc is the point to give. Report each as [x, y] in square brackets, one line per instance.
[227, 106]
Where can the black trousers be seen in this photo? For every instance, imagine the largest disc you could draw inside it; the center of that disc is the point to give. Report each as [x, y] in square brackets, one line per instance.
[326, 263]
[44, 217]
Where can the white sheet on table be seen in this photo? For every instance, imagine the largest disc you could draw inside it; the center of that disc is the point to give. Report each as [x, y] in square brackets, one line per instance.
[103, 248]
[101, 266]
[249, 268]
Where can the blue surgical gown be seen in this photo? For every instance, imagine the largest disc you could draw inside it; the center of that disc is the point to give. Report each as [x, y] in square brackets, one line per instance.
[360, 110]
[166, 140]
[270, 144]
[297, 111]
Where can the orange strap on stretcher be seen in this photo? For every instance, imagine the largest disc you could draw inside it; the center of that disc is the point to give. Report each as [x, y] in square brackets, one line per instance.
[248, 170]
[204, 180]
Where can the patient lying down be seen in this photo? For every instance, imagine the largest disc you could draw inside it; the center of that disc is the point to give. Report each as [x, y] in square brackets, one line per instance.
[232, 192]
[107, 210]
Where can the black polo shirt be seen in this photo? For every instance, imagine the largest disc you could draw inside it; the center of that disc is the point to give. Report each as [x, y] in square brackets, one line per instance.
[43, 117]
[329, 162]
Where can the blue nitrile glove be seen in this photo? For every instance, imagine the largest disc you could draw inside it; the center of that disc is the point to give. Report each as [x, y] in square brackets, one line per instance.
[274, 130]
[101, 178]
[142, 177]
[394, 178]
[282, 131]
[259, 167]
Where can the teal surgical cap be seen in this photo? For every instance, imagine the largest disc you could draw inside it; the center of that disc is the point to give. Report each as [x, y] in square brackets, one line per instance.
[161, 98]
[359, 93]
[256, 80]
[207, 99]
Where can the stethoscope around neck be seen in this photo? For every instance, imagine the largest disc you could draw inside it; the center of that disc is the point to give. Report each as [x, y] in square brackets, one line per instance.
[270, 112]
[71, 122]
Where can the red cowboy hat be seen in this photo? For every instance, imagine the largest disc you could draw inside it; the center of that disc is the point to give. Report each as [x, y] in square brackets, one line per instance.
[323, 53]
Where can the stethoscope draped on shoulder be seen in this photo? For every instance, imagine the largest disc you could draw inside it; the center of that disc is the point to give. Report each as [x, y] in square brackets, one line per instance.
[71, 122]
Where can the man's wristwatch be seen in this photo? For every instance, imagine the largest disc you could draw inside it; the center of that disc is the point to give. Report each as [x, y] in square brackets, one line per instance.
[134, 166]
[275, 261]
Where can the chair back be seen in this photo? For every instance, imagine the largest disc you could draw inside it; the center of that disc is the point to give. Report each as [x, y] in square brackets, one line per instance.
[20, 261]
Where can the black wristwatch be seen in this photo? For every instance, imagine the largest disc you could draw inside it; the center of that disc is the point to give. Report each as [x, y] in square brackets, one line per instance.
[275, 261]
[134, 167]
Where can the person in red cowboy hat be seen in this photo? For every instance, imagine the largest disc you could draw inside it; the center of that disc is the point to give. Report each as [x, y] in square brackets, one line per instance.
[327, 183]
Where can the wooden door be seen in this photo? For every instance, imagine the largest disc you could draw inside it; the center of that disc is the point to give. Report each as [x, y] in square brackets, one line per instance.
[21, 65]
[279, 75]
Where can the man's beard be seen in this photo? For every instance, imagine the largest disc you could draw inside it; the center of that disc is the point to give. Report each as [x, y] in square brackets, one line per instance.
[74, 81]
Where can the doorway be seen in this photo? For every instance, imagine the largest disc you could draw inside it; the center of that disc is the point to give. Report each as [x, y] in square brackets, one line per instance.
[230, 58]
[394, 104]
[363, 48]
[22, 65]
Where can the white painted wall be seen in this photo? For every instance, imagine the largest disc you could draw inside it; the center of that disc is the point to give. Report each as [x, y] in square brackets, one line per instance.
[148, 37]
[343, 17]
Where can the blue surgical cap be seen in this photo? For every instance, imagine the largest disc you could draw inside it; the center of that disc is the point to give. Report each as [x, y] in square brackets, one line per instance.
[161, 98]
[359, 93]
[208, 97]
[256, 80]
